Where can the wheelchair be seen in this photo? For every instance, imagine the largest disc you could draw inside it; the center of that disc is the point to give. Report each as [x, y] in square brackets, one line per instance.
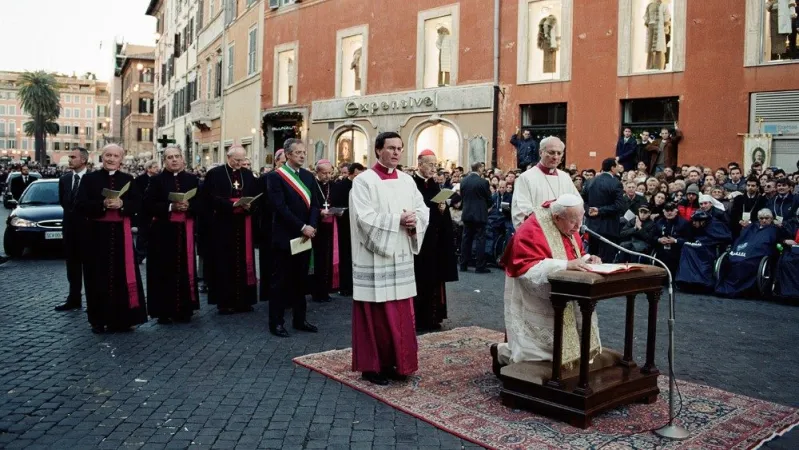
[764, 276]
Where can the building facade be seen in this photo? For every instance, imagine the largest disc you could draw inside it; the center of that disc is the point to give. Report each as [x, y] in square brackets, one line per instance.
[137, 102]
[176, 72]
[83, 120]
[578, 69]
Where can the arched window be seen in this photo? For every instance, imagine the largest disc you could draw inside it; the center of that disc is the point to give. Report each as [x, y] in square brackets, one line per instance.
[352, 146]
[443, 140]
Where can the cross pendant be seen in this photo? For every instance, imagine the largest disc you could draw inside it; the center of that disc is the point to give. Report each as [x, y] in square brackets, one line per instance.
[326, 205]
[403, 255]
[236, 185]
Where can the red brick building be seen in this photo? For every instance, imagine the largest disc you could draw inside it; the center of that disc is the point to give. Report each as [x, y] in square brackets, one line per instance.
[338, 72]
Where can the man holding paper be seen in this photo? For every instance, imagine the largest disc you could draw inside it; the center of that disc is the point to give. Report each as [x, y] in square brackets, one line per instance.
[325, 244]
[109, 199]
[228, 194]
[436, 264]
[548, 241]
[389, 219]
[171, 265]
[295, 208]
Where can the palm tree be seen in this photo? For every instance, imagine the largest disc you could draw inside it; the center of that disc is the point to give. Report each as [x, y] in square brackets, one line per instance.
[38, 93]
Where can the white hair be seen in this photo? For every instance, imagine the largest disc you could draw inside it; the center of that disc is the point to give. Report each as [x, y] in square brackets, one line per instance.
[112, 147]
[765, 212]
[550, 140]
[150, 164]
[234, 148]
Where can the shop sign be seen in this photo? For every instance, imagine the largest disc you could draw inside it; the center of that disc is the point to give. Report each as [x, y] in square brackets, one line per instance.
[353, 108]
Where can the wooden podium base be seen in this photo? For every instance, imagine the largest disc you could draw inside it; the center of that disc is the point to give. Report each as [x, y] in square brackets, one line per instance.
[612, 382]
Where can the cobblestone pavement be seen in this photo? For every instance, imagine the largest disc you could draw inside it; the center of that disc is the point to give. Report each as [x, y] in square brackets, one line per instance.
[225, 382]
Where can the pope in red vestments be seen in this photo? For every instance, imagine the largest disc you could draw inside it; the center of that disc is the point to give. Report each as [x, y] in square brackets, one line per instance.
[548, 241]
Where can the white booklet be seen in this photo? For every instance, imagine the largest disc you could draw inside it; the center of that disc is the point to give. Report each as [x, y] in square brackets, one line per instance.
[298, 246]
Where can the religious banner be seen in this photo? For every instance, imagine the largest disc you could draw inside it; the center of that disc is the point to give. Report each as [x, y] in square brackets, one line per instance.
[757, 148]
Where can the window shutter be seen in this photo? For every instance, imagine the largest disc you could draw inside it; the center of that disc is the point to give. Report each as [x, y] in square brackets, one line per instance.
[138, 134]
[199, 16]
[754, 11]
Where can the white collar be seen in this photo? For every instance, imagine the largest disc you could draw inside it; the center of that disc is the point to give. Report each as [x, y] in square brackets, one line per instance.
[388, 169]
[112, 172]
[81, 173]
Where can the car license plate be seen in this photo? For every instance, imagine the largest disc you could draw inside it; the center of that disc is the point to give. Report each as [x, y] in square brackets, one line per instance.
[53, 235]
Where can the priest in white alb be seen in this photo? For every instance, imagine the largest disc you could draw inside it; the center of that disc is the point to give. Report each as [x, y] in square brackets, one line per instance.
[541, 182]
[547, 242]
[388, 219]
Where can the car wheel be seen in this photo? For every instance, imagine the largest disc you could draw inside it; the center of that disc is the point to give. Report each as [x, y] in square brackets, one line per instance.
[12, 249]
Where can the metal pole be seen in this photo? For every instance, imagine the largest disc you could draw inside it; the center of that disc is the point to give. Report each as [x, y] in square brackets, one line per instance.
[495, 112]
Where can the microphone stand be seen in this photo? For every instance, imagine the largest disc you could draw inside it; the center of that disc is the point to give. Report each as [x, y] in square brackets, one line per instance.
[670, 431]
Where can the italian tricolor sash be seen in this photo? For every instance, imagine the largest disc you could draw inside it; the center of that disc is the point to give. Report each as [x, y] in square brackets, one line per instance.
[293, 179]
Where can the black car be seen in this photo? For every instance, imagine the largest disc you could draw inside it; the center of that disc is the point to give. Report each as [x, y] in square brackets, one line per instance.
[8, 200]
[37, 221]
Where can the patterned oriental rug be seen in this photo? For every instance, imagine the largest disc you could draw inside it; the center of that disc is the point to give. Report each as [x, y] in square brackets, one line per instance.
[456, 391]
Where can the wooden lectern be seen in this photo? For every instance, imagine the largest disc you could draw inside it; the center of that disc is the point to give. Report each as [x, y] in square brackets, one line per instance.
[577, 394]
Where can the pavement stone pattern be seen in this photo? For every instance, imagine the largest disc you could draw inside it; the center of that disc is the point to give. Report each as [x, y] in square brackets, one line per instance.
[225, 382]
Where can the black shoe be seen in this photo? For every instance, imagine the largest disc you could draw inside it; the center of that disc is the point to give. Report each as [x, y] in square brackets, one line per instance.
[182, 319]
[68, 306]
[323, 300]
[495, 365]
[245, 309]
[306, 326]
[119, 329]
[4, 259]
[483, 270]
[345, 293]
[392, 374]
[279, 331]
[375, 378]
[226, 311]
[164, 320]
[98, 329]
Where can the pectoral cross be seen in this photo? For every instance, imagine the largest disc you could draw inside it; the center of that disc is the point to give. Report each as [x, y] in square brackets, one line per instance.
[236, 185]
[403, 255]
[326, 205]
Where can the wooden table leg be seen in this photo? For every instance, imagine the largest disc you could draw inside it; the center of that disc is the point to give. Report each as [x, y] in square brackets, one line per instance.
[629, 328]
[651, 331]
[557, 350]
[587, 309]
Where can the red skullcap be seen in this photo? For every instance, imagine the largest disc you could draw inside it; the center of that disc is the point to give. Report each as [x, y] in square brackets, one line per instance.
[427, 152]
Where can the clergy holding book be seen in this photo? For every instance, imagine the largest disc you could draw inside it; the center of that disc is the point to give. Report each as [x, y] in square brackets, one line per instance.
[388, 218]
[109, 199]
[436, 264]
[295, 206]
[171, 263]
[227, 194]
[325, 244]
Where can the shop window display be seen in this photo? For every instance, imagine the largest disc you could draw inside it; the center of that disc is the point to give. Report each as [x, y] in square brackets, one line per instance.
[544, 44]
[439, 52]
[443, 140]
[351, 146]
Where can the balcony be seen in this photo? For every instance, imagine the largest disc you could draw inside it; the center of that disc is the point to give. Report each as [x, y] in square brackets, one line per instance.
[205, 111]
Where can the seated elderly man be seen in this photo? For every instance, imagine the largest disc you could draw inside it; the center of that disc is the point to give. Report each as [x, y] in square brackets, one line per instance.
[548, 241]
[698, 257]
[786, 277]
[738, 273]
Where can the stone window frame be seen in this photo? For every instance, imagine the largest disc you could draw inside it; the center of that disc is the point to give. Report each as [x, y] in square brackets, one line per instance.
[362, 30]
[522, 52]
[280, 48]
[754, 41]
[678, 24]
[453, 10]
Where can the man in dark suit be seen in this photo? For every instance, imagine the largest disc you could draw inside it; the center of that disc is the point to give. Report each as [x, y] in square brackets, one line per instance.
[476, 195]
[627, 150]
[74, 225]
[20, 183]
[745, 207]
[142, 221]
[605, 203]
[295, 209]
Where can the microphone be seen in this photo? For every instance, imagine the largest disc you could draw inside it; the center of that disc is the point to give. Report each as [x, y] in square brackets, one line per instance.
[671, 430]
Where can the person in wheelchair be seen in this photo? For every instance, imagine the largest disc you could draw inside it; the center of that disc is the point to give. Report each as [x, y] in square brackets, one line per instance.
[698, 257]
[713, 207]
[742, 270]
[671, 232]
[637, 235]
[786, 276]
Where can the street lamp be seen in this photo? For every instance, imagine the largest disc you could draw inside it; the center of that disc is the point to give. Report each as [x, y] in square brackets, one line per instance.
[139, 67]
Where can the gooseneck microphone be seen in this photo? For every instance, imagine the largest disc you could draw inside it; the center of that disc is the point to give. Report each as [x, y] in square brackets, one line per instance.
[670, 431]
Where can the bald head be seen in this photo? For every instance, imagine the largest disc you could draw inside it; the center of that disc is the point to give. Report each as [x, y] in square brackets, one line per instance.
[236, 157]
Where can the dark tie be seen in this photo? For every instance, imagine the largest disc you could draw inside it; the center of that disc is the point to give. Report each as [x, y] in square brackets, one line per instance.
[74, 192]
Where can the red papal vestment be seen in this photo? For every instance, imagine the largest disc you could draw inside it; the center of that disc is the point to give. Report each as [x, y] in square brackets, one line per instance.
[535, 251]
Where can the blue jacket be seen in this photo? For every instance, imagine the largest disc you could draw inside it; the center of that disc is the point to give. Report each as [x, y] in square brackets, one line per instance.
[526, 151]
